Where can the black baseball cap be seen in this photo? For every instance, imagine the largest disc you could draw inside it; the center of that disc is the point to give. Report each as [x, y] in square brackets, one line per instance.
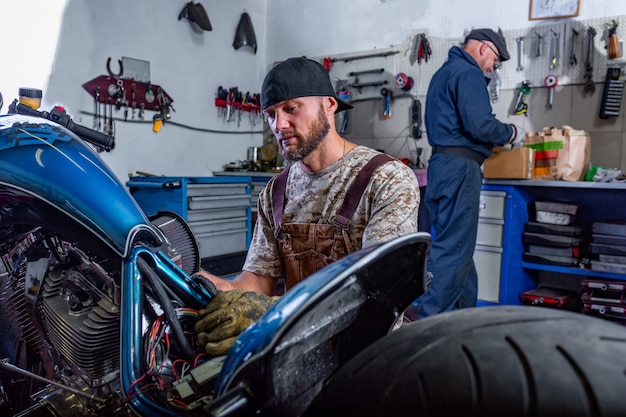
[486, 34]
[298, 77]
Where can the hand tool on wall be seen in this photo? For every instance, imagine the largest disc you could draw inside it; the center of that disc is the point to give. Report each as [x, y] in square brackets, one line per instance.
[420, 49]
[371, 71]
[612, 43]
[413, 49]
[96, 109]
[573, 61]
[520, 53]
[550, 82]
[359, 86]
[590, 87]
[164, 104]
[416, 119]
[423, 51]
[375, 55]
[555, 43]
[521, 107]
[613, 94]
[538, 41]
[386, 93]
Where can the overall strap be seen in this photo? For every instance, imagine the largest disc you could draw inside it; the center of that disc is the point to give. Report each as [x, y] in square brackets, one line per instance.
[353, 196]
[351, 201]
[278, 199]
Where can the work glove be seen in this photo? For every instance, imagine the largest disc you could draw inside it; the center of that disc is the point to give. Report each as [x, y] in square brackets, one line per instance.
[518, 136]
[227, 316]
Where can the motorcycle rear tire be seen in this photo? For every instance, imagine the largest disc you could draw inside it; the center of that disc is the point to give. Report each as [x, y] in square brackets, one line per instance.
[487, 361]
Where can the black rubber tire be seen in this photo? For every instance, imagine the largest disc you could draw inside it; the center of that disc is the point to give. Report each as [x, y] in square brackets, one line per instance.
[486, 361]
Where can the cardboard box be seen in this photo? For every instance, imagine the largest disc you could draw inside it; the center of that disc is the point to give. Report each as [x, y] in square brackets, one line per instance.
[514, 164]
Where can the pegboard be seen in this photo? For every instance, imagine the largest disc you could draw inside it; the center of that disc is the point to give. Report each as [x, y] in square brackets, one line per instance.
[537, 46]
[535, 68]
[365, 77]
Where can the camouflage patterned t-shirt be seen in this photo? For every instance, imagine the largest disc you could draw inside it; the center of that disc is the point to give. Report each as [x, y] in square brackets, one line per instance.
[388, 208]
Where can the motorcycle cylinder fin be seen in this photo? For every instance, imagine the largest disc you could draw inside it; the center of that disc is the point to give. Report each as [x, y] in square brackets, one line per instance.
[81, 323]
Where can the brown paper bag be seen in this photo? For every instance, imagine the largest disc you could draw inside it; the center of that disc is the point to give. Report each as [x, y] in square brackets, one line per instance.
[560, 153]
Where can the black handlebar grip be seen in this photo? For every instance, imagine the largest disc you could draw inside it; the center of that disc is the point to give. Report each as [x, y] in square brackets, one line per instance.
[107, 142]
[26, 110]
[58, 115]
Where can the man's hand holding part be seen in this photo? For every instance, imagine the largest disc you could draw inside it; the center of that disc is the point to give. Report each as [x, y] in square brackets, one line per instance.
[227, 316]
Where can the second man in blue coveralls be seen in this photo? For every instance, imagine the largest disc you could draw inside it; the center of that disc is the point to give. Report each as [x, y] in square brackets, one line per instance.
[462, 131]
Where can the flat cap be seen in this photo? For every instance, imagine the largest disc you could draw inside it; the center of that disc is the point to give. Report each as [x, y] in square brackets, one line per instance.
[486, 34]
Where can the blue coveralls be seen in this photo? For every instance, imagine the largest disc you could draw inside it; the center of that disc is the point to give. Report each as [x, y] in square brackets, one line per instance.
[462, 130]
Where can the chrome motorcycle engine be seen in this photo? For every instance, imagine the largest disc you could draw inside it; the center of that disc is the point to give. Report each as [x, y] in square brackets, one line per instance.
[63, 308]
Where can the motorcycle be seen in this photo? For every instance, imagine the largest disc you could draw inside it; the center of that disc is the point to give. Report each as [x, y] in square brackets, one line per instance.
[98, 302]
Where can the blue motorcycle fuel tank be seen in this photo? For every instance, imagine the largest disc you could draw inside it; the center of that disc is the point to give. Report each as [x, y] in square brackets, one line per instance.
[44, 163]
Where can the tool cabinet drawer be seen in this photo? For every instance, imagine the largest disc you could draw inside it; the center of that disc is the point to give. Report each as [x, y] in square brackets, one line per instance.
[222, 243]
[488, 262]
[216, 214]
[218, 225]
[200, 190]
[490, 234]
[492, 205]
[217, 202]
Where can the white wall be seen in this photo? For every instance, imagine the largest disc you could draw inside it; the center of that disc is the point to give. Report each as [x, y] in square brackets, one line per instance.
[327, 27]
[29, 30]
[187, 64]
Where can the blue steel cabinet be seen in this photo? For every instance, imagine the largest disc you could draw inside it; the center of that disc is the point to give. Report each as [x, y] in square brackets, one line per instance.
[218, 210]
[499, 249]
[598, 202]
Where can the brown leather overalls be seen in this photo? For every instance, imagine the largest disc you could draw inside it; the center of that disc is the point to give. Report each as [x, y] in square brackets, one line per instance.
[307, 247]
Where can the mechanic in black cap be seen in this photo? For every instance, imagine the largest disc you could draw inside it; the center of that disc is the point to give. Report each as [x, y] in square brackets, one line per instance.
[303, 223]
[462, 131]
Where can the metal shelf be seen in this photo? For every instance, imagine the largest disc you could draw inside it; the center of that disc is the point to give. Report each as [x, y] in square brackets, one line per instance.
[573, 271]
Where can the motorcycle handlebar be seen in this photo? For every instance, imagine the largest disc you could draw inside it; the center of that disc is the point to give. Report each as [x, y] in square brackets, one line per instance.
[60, 116]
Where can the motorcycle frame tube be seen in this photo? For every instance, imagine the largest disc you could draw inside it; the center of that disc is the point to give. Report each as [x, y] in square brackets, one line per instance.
[131, 321]
[49, 162]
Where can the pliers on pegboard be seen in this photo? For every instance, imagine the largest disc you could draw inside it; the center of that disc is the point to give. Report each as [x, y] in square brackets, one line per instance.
[423, 48]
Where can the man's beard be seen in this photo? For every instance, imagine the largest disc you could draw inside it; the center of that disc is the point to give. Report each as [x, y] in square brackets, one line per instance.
[307, 144]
